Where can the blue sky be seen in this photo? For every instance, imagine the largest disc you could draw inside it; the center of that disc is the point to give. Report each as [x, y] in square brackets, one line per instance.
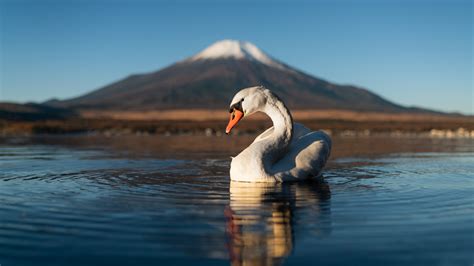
[411, 52]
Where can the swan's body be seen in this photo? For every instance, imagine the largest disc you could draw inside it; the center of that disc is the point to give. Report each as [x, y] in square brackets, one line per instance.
[285, 152]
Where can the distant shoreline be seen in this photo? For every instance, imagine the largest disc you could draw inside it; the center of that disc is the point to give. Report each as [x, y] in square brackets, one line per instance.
[299, 114]
[212, 122]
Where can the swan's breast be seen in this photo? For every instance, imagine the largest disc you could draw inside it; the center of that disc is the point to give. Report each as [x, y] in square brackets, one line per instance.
[245, 167]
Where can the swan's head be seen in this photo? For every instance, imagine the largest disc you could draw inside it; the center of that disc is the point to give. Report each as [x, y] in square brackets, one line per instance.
[246, 102]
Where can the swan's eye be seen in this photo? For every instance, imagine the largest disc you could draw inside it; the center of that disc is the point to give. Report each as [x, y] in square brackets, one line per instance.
[242, 100]
[236, 106]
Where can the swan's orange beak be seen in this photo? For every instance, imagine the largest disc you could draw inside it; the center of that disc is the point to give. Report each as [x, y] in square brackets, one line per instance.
[235, 117]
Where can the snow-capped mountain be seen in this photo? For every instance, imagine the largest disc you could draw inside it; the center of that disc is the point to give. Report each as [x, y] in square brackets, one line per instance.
[210, 78]
[227, 49]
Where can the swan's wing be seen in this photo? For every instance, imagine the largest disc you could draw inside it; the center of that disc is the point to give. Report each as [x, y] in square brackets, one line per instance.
[265, 134]
[305, 158]
[298, 131]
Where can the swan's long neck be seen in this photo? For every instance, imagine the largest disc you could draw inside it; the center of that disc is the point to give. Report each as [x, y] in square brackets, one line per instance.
[275, 146]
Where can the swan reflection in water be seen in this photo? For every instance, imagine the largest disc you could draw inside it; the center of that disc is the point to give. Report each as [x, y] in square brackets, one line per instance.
[262, 219]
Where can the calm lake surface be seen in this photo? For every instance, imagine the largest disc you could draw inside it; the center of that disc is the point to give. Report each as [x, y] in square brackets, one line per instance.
[91, 200]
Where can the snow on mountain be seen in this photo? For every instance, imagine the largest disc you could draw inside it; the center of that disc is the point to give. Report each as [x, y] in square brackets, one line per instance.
[236, 49]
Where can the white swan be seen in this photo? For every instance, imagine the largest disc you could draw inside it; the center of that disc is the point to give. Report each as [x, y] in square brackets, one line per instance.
[286, 151]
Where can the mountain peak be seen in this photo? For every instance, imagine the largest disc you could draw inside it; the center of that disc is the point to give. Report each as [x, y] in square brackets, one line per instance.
[242, 50]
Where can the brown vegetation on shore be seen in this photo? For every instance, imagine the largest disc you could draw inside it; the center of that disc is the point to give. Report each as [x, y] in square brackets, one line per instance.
[198, 121]
[210, 114]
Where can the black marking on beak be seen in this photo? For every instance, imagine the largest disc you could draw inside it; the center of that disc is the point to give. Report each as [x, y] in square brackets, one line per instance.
[237, 106]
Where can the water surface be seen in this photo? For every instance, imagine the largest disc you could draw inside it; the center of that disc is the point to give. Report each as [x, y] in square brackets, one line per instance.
[159, 200]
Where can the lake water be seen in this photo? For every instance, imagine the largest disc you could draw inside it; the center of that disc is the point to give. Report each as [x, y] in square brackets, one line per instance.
[86, 200]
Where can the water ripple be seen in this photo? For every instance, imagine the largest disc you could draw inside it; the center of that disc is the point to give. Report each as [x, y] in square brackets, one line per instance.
[75, 202]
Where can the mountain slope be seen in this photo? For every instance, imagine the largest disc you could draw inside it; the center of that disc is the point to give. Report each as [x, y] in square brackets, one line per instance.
[210, 79]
